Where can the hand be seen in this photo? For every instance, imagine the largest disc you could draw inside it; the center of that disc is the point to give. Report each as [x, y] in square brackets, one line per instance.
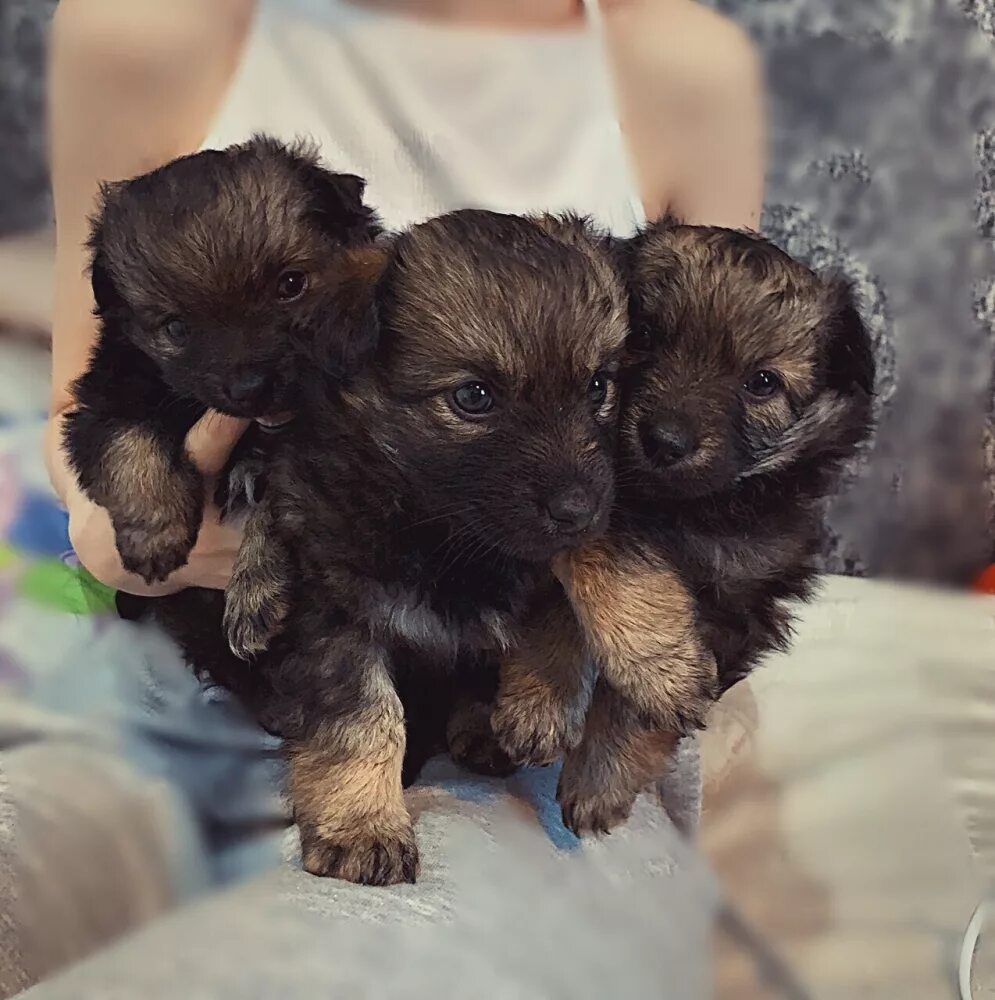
[209, 445]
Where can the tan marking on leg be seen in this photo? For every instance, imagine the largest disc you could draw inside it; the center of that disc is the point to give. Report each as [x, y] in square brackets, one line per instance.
[256, 598]
[155, 506]
[544, 689]
[619, 756]
[345, 785]
[639, 622]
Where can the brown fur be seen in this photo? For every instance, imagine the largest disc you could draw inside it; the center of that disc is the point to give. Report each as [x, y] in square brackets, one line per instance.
[211, 277]
[617, 758]
[711, 541]
[639, 621]
[345, 784]
[544, 688]
[256, 598]
[155, 502]
[471, 741]
[415, 547]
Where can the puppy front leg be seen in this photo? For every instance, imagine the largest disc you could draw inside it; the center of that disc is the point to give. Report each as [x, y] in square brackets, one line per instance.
[345, 775]
[619, 755]
[257, 595]
[544, 688]
[640, 624]
[125, 442]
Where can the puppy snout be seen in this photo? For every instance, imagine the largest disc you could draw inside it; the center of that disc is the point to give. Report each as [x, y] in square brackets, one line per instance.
[667, 438]
[248, 389]
[573, 508]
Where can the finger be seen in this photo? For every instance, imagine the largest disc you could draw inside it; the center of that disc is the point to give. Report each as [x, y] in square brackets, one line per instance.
[213, 556]
[211, 440]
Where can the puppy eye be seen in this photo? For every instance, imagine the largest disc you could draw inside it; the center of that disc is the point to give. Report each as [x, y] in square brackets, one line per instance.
[291, 285]
[763, 384]
[597, 389]
[175, 329]
[640, 340]
[474, 398]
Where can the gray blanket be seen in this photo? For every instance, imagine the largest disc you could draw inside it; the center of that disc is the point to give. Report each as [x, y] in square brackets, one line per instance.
[508, 904]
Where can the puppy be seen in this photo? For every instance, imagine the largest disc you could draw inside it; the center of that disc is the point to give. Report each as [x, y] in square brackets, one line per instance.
[209, 276]
[747, 382]
[417, 510]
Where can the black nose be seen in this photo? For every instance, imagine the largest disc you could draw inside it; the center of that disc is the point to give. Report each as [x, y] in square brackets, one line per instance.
[572, 508]
[667, 439]
[247, 388]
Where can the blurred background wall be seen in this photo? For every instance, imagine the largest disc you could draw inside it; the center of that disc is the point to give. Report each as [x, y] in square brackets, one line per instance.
[883, 165]
[24, 201]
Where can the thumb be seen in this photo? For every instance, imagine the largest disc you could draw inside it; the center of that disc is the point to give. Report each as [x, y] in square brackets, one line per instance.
[211, 440]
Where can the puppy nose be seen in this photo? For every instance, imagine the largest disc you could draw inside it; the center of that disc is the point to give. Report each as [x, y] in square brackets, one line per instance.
[668, 439]
[572, 508]
[246, 388]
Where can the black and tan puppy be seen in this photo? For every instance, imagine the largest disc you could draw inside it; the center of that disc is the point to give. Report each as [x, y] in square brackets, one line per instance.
[419, 508]
[747, 382]
[209, 276]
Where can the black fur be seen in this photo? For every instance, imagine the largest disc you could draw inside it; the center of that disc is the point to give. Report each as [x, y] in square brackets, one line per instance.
[201, 244]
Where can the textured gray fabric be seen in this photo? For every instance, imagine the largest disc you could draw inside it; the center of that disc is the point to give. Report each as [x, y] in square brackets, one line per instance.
[88, 850]
[508, 906]
[24, 199]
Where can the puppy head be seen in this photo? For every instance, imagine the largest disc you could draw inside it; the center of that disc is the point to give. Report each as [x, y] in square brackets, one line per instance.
[741, 362]
[216, 266]
[494, 388]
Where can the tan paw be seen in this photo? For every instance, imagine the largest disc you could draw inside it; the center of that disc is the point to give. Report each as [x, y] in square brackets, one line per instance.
[536, 730]
[365, 858]
[155, 548]
[255, 610]
[590, 809]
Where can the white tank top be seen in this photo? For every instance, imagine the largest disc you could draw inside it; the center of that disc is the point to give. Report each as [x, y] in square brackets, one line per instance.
[438, 117]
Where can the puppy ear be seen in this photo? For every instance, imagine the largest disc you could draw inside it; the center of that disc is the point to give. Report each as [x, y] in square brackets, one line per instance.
[352, 327]
[338, 204]
[105, 292]
[849, 357]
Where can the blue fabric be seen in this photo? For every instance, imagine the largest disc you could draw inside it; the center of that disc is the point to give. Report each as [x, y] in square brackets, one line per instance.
[128, 680]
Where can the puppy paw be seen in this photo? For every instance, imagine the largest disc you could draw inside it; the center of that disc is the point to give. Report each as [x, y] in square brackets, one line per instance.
[243, 489]
[365, 858]
[536, 730]
[589, 809]
[157, 547]
[472, 743]
[255, 611]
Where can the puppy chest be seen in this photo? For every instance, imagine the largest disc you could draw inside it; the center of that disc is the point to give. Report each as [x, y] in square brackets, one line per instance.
[439, 630]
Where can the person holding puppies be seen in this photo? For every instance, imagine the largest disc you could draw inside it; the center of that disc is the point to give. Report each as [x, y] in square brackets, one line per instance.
[512, 105]
[448, 119]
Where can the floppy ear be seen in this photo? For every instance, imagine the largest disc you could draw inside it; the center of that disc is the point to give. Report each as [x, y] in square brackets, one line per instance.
[338, 204]
[849, 357]
[105, 293]
[351, 329]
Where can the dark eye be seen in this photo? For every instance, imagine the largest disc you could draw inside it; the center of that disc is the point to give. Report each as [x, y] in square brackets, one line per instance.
[597, 389]
[291, 285]
[474, 398]
[763, 384]
[175, 329]
[640, 340]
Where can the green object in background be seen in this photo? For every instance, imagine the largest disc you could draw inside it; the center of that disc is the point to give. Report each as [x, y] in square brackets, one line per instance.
[71, 589]
[7, 555]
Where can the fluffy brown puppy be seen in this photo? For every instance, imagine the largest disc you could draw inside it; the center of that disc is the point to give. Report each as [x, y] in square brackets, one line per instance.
[210, 276]
[747, 382]
[418, 510]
